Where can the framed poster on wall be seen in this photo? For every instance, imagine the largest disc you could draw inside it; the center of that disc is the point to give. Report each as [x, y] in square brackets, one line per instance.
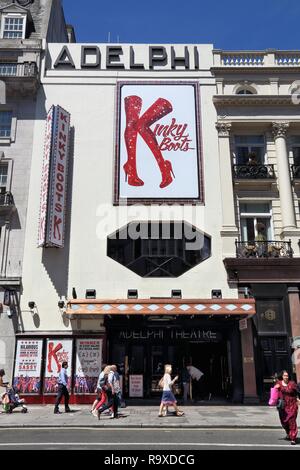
[58, 351]
[159, 156]
[27, 374]
[88, 365]
[136, 386]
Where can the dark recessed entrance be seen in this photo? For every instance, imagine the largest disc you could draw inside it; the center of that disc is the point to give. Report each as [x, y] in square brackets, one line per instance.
[141, 347]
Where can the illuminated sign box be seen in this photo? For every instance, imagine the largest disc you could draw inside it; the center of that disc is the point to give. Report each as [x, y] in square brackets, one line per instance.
[158, 143]
[54, 179]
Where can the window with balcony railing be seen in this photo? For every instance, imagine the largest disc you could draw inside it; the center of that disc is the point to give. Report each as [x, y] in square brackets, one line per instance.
[249, 158]
[246, 145]
[5, 124]
[256, 222]
[257, 239]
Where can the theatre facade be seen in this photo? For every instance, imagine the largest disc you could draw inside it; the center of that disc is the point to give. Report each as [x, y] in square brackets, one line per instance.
[163, 220]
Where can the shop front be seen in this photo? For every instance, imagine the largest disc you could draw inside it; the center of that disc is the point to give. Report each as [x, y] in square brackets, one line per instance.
[142, 347]
[143, 336]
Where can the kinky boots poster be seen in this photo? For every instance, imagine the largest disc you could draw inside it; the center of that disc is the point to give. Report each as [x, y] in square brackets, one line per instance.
[158, 143]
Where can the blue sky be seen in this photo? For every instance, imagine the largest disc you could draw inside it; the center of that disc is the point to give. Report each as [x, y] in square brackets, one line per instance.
[228, 24]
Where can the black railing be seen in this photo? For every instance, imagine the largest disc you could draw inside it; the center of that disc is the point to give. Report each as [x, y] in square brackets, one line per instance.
[14, 69]
[252, 172]
[6, 199]
[264, 249]
[296, 172]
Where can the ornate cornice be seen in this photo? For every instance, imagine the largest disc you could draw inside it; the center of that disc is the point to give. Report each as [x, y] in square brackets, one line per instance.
[259, 70]
[252, 100]
[280, 128]
[223, 128]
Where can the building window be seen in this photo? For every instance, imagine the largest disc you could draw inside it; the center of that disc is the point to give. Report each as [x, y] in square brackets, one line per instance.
[13, 27]
[3, 177]
[8, 70]
[296, 158]
[159, 249]
[249, 147]
[256, 222]
[296, 155]
[5, 123]
[244, 91]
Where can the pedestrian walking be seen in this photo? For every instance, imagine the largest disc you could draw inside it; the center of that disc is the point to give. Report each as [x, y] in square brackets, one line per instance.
[197, 378]
[2, 383]
[62, 389]
[168, 398]
[288, 405]
[114, 381]
[106, 401]
[99, 391]
[186, 384]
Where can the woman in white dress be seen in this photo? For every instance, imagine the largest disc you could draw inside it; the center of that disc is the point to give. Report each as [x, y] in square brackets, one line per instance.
[168, 398]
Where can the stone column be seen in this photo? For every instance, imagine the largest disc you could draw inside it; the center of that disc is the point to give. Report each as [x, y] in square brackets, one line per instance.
[294, 302]
[229, 230]
[285, 187]
[250, 390]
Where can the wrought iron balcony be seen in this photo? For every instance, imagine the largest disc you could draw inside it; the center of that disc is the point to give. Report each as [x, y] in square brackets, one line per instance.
[21, 79]
[296, 172]
[253, 172]
[264, 249]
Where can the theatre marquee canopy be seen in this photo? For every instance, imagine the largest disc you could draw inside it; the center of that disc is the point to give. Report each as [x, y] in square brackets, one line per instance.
[80, 309]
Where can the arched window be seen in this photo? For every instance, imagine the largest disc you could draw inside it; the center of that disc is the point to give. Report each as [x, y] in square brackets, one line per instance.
[245, 91]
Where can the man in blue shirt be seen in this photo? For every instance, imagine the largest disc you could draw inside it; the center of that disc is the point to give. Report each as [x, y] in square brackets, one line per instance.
[62, 389]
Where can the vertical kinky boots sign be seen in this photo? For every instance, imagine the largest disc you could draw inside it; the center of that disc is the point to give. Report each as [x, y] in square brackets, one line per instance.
[54, 179]
[158, 143]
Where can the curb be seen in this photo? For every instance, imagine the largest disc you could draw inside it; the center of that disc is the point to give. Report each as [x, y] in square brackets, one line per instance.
[139, 426]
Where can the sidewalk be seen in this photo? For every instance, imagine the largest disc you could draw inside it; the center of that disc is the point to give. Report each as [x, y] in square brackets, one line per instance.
[146, 417]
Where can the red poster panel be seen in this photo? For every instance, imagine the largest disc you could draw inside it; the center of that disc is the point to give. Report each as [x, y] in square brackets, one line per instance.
[58, 351]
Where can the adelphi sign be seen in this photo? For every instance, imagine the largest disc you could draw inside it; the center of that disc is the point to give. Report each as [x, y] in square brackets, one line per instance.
[125, 57]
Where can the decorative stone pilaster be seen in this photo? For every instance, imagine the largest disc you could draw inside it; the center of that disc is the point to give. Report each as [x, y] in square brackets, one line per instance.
[223, 128]
[229, 230]
[280, 130]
